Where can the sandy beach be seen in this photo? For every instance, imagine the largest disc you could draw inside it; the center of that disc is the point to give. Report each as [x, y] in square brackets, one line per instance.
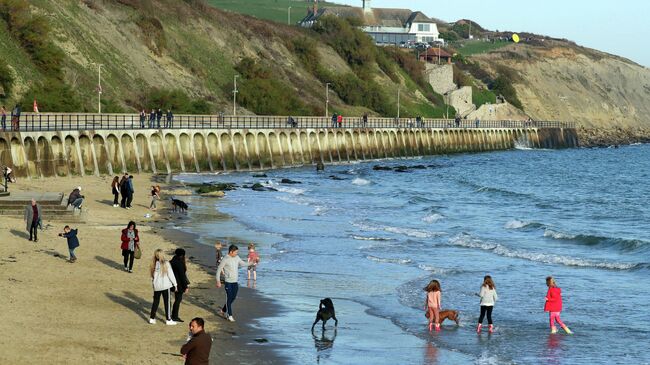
[91, 311]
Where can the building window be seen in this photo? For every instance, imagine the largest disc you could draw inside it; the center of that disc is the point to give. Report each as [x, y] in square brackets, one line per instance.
[424, 27]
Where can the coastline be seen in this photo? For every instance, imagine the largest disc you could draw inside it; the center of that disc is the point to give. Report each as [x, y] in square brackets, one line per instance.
[605, 137]
[67, 313]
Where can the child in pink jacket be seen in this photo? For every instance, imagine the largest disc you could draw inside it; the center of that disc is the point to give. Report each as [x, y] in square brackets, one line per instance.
[432, 304]
[553, 305]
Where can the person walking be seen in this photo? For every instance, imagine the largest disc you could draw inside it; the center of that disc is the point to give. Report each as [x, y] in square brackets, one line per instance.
[33, 216]
[253, 259]
[334, 119]
[169, 119]
[3, 118]
[130, 242]
[553, 305]
[124, 190]
[179, 266]
[115, 189]
[73, 242]
[218, 256]
[155, 196]
[432, 304]
[15, 118]
[143, 118]
[197, 350]
[162, 280]
[339, 120]
[230, 266]
[488, 294]
[129, 192]
[365, 119]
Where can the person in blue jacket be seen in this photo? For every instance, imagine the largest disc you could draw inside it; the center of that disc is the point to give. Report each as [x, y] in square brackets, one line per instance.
[73, 241]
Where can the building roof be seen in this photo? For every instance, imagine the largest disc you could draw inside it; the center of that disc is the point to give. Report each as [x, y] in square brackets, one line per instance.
[418, 17]
[374, 17]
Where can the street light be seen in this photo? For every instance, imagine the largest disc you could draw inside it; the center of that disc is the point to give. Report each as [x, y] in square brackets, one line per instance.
[99, 86]
[289, 16]
[398, 92]
[327, 98]
[234, 98]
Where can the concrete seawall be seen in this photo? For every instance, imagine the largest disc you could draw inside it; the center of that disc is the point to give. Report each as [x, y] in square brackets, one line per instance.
[96, 152]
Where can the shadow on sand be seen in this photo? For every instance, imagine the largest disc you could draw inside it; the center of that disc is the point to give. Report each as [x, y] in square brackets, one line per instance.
[110, 263]
[131, 301]
[20, 234]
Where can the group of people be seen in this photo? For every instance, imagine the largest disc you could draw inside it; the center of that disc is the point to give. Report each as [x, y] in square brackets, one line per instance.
[15, 118]
[155, 117]
[124, 187]
[488, 297]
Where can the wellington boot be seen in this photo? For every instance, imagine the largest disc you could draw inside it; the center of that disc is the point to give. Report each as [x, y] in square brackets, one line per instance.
[553, 330]
[491, 329]
[567, 330]
[478, 328]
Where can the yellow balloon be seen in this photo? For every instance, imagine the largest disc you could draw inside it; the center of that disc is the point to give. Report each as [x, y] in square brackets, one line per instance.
[515, 38]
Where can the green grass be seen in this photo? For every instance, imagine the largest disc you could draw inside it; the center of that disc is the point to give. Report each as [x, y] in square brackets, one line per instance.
[274, 10]
[477, 47]
[480, 97]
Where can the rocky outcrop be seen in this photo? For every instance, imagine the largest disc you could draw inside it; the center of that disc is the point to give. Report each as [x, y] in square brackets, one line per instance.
[605, 137]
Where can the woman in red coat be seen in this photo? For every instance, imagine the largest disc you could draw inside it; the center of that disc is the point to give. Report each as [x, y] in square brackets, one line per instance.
[130, 241]
[553, 305]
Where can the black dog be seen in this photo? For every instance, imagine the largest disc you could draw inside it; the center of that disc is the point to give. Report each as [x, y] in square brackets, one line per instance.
[325, 312]
[178, 205]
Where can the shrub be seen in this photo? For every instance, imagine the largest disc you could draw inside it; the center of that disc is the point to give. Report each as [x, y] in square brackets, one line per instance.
[52, 96]
[176, 100]
[503, 86]
[351, 43]
[153, 33]
[6, 77]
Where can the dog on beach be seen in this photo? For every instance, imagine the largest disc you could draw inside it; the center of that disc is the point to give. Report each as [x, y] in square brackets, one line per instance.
[451, 315]
[325, 312]
[178, 204]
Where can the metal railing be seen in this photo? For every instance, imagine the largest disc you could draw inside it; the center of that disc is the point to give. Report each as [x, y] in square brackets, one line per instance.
[77, 121]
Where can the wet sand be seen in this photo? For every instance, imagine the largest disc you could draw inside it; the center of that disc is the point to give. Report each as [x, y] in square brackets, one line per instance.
[91, 311]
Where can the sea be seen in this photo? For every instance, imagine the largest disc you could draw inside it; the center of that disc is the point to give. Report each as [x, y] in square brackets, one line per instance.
[371, 239]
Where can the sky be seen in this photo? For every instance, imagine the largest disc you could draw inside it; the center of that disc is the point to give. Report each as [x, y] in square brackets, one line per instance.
[619, 27]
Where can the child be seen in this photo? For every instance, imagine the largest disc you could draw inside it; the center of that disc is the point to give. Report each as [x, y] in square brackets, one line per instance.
[253, 260]
[73, 241]
[488, 296]
[218, 246]
[432, 304]
[553, 305]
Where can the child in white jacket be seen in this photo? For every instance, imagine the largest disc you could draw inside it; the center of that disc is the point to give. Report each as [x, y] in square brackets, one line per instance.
[162, 279]
[488, 296]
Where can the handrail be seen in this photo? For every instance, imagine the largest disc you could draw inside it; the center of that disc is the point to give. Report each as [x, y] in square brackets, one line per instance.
[90, 121]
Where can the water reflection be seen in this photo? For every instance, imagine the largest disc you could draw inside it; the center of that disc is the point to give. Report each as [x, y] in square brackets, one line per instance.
[430, 354]
[323, 344]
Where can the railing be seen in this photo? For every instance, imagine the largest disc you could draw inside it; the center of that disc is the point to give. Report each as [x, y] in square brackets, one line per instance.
[66, 122]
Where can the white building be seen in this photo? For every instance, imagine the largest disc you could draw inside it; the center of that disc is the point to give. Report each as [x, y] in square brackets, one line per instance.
[385, 26]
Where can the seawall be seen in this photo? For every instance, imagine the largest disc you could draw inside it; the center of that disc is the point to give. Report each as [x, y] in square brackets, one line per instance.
[36, 154]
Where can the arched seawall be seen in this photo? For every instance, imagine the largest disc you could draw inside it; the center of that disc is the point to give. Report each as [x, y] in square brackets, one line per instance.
[44, 154]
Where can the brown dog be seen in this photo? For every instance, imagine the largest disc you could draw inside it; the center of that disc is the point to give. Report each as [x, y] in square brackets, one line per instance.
[451, 315]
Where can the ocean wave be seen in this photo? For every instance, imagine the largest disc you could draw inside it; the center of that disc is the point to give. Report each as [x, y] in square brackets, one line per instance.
[284, 189]
[293, 199]
[364, 238]
[320, 210]
[433, 218]
[389, 260]
[411, 232]
[488, 189]
[360, 182]
[438, 270]
[468, 241]
[625, 245]
[517, 224]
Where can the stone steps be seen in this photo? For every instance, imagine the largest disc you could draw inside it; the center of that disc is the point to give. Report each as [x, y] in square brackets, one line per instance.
[53, 206]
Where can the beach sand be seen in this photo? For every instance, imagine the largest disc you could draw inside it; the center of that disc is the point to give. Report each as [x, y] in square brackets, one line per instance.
[92, 311]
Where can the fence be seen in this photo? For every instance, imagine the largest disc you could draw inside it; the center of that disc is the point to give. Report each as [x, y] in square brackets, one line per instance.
[78, 121]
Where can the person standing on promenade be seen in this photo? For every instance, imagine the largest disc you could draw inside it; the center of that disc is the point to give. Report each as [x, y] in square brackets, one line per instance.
[553, 305]
[129, 191]
[230, 266]
[15, 118]
[179, 266]
[334, 119]
[3, 116]
[432, 304]
[130, 242]
[159, 117]
[365, 119]
[143, 118]
[152, 118]
[32, 217]
[339, 120]
[73, 241]
[197, 350]
[488, 294]
[169, 119]
[115, 189]
[162, 280]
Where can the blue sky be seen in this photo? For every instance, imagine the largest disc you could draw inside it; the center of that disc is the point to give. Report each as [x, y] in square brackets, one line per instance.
[618, 27]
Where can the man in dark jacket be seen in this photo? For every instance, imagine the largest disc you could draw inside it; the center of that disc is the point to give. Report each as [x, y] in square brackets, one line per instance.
[15, 118]
[124, 188]
[179, 268]
[169, 121]
[152, 118]
[32, 216]
[73, 241]
[158, 117]
[76, 199]
[197, 350]
[129, 191]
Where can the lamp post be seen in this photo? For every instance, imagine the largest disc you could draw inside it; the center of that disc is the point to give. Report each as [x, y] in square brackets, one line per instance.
[289, 16]
[234, 97]
[327, 98]
[398, 94]
[99, 87]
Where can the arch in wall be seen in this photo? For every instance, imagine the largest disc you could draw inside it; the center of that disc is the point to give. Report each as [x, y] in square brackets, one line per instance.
[216, 154]
[173, 155]
[201, 152]
[276, 152]
[18, 157]
[265, 159]
[101, 155]
[369, 138]
[385, 141]
[394, 145]
[142, 145]
[314, 150]
[240, 151]
[332, 146]
[45, 156]
[5, 154]
[253, 155]
[86, 154]
[228, 153]
[295, 148]
[326, 153]
[306, 150]
[60, 158]
[157, 152]
[32, 160]
[359, 146]
[112, 146]
[341, 146]
[285, 148]
[128, 150]
[73, 157]
[186, 152]
[349, 145]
